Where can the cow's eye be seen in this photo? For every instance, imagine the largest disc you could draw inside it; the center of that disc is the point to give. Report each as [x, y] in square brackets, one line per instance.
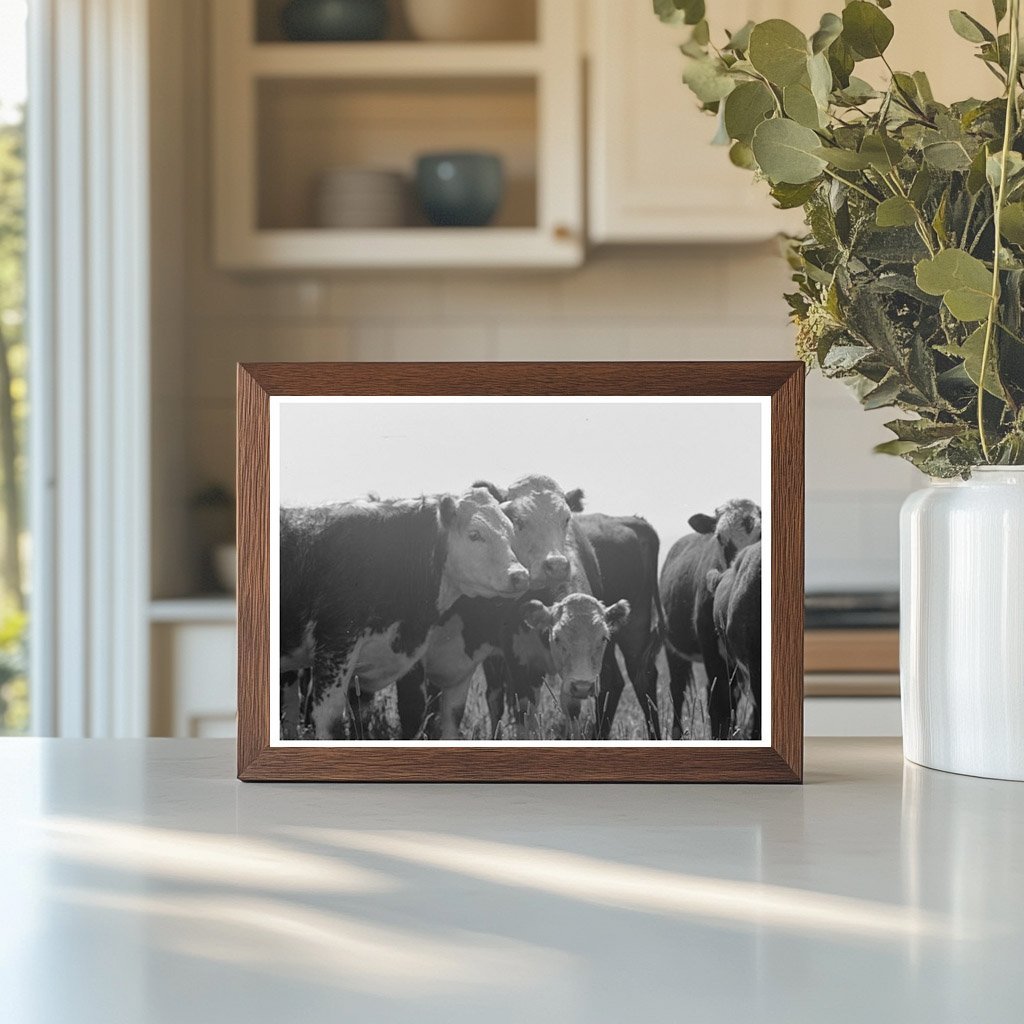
[475, 535]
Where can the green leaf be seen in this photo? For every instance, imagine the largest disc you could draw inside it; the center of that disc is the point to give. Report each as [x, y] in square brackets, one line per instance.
[741, 155]
[1012, 225]
[947, 156]
[883, 153]
[921, 185]
[971, 352]
[924, 87]
[820, 76]
[976, 173]
[963, 281]
[1014, 169]
[778, 50]
[885, 394]
[785, 152]
[866, 29]
[841, 60]
[896, 212]
[676, 12]
[789, 197]
[844, 159]
[708, 80]
[739, 41]
[969, 28]
[829, 30]
[745, 108]
[923, 431]
[895, 447]
[800, 105]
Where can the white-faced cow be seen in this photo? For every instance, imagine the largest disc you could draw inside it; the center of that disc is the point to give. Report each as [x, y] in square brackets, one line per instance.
[737, 617]
[560, 561]
[689, 607]
[364, 584]
[569, 640]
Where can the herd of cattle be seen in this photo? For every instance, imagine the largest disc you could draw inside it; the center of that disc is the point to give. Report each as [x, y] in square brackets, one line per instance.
[420, 593]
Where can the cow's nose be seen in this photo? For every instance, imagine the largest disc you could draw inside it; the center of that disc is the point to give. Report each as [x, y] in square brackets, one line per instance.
[581, 689]
[556, 567]
[519, 579]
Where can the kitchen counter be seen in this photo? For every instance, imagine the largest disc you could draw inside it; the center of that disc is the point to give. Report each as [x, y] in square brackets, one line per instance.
[143, 884]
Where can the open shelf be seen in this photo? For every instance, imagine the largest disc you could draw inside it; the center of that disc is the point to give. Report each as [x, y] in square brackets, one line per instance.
[308, 127]
[287, 113]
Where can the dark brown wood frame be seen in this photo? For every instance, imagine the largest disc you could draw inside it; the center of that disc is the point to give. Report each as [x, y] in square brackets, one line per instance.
[669, 762]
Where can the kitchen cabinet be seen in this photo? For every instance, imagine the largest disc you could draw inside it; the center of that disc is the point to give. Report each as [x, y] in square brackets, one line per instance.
[653, 175]
[286, 113]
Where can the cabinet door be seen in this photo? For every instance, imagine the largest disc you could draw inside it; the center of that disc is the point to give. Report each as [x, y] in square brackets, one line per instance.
[653, 175]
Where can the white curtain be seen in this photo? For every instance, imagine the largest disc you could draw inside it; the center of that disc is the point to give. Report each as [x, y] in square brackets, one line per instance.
[88, 318]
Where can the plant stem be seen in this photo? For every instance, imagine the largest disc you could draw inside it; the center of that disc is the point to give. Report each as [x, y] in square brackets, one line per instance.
[856, 188]
[993, 309]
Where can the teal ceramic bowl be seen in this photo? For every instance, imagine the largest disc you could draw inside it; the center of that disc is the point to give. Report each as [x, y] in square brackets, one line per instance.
[334, 21]
[462, 190]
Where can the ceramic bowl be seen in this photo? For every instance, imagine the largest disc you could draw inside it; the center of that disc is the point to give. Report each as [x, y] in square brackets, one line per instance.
[334, 20]
[460, 189]
[360, 197]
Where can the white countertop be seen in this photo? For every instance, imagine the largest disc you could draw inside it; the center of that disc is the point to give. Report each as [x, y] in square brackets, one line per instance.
[143, 884]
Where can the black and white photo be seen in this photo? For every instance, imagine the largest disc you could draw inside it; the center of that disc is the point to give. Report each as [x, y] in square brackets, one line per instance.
[527, 570]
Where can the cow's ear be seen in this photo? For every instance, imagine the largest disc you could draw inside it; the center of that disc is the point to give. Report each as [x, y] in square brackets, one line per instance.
[615, 616]
[574, 499]
[447, 510]
[496, 492]
[537, 615]
[702, 523]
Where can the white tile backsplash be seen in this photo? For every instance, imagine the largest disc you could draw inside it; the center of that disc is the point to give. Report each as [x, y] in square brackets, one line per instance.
[704, 303]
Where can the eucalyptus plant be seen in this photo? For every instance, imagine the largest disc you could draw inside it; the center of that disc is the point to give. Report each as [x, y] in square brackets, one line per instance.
[910, 278]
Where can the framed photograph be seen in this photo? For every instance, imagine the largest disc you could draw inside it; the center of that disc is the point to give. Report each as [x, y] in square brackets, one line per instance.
[558, 572]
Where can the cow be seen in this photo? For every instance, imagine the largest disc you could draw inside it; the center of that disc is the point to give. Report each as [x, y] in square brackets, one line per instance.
[572, 639]
[689, 607]
[364, 585]
[476, 631]
[627, 556]
[737, 617]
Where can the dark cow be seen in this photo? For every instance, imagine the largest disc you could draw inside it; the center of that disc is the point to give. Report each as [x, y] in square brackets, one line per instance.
[737, 616]
[560, 561]
[689, 607]
[364, 584]
[627, 556]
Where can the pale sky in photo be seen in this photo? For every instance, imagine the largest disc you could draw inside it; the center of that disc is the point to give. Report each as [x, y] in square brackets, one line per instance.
[662, 461]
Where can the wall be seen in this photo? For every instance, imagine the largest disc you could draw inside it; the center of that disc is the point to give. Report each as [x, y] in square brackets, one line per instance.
[652, 303]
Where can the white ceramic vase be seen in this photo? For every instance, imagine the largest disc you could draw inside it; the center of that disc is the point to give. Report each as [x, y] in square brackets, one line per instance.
[962, 624]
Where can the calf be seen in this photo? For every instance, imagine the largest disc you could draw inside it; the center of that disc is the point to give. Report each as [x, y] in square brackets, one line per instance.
[572, 637]
[627, 555]
[737, 617]
[689, 607]
[364, 585]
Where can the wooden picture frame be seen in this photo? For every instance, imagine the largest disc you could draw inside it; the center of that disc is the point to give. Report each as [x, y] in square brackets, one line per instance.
[779, 759]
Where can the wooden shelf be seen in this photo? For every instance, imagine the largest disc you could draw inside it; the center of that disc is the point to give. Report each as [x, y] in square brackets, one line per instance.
[393, 60]
[401, 247]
